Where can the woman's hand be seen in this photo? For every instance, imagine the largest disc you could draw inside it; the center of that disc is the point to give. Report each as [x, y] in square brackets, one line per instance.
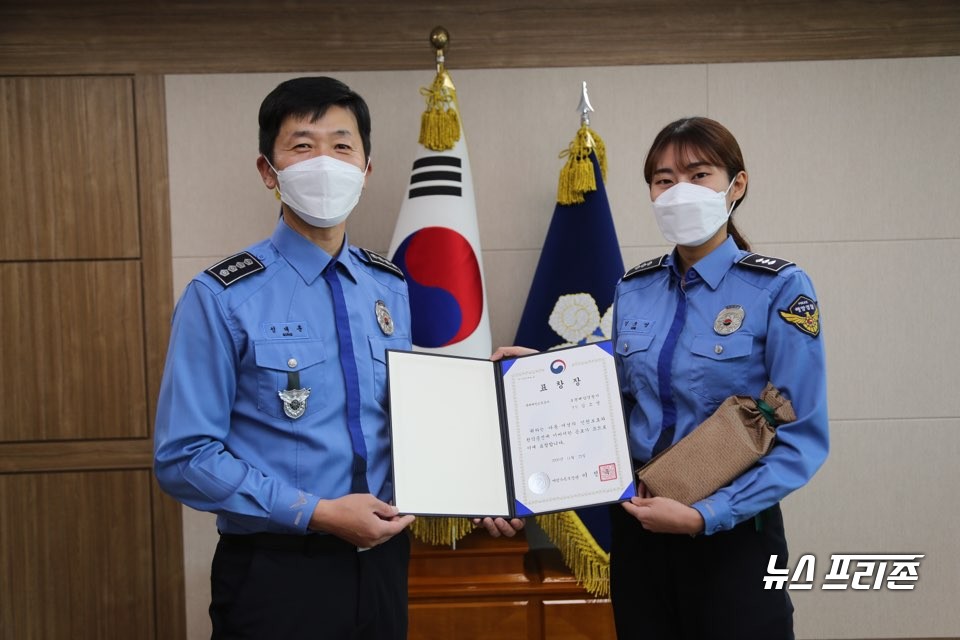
[663, 515]
[497, 527]
[511, 352]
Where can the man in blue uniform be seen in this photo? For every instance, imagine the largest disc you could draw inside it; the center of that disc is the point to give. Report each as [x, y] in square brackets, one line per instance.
[272, 405]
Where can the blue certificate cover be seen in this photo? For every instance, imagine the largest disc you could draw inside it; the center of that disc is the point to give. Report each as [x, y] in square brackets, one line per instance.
[523, 436]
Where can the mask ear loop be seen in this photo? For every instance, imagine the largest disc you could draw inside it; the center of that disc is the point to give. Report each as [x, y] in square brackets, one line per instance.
[726, 191]
[365, 169]
[276, 189]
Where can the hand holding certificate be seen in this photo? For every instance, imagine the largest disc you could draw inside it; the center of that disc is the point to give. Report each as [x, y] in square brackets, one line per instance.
[521, 436]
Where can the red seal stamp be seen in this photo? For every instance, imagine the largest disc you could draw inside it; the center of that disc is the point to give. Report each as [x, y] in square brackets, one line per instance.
[608, 472]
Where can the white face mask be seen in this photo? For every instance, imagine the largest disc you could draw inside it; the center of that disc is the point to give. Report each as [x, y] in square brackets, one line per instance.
[322, 190]
[689, 214]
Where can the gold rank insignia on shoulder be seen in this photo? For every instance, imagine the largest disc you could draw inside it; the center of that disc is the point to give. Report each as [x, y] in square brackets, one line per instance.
[294, 402]
[803, 314]
[383, 318]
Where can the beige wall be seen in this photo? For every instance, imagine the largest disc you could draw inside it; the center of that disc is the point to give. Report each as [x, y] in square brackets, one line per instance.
[852, 167]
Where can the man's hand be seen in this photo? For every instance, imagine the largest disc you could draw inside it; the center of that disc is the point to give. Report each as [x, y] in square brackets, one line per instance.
[360, 519]
[497, 527]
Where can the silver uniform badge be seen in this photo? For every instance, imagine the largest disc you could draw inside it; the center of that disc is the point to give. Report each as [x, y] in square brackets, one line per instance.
[383, 318]
[294, 402]
[729, 319]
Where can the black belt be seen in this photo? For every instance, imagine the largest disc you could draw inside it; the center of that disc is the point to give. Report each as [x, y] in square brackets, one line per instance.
[310, 544]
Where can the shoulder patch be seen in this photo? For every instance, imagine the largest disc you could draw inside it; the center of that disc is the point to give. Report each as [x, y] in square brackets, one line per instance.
[378, 260]
[764, 263]
[804, 314]
[234, 268]
[644, 267]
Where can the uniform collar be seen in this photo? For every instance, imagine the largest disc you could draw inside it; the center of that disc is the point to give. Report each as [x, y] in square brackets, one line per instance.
[715, 265]
[305, 257]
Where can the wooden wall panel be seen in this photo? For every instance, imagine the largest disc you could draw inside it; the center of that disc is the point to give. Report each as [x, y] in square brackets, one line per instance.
[68, 151]
[77, 556]
[157, 278]
[226, 36]
[73, 351]
[89, 546]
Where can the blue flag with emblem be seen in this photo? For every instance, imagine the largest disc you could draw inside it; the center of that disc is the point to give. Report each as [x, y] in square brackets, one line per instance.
[570, 302]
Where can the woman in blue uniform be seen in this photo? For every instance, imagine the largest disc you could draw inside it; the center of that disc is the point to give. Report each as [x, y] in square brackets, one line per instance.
[707, 321]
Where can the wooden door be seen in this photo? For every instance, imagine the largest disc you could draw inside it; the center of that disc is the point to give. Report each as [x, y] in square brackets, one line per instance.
[89, 547]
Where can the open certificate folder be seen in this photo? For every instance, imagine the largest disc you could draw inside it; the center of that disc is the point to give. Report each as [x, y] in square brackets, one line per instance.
[518, 437]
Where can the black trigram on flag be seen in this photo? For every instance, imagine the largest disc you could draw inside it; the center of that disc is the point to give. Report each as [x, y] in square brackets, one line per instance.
[437, 176]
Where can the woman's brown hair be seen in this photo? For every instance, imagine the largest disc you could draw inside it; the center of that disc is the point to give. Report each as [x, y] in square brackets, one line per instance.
[709, 141]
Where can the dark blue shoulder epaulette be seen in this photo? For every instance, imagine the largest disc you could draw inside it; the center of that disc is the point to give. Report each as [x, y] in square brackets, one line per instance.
[764, 263]
[645, 267]
[378, 260]
[235, 268]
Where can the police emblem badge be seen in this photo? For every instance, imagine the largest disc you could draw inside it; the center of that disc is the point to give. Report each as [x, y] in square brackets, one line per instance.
[294, 402]
[729, 319]
[804, 314]
[383, 318]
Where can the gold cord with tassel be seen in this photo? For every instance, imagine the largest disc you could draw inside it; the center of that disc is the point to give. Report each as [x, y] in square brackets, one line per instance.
[576, 176]
[589, 563]
[440, 123]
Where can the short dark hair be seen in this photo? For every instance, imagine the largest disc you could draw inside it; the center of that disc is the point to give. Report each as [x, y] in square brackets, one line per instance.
[309, 97]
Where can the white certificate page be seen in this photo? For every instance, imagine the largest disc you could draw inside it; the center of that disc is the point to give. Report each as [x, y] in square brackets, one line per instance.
[448, 452]
[568, 440]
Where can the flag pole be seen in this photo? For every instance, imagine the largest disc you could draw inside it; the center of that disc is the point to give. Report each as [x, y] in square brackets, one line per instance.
[440, 128]
[582, 219]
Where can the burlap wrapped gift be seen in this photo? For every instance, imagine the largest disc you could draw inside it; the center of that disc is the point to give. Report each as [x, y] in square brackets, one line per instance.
[740, 432]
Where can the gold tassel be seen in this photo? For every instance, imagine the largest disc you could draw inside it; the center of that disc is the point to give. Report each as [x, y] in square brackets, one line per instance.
[576, 176]
[441, 531]
[589, 563]
[440, 122]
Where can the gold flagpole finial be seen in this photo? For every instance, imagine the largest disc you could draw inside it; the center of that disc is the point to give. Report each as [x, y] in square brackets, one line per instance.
[439, 38]
[585, 108]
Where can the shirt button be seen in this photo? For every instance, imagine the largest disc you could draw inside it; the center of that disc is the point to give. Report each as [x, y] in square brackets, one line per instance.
[718, 348]
[292, 363]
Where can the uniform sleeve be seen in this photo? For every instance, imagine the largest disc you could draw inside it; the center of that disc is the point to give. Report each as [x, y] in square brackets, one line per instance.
[796, 365]
[629, 402]
[193, 421]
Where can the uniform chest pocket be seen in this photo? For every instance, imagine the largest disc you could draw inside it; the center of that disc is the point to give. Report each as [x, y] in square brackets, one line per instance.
[378, 359]
[277, 360]
[634, 351]
[720, 364]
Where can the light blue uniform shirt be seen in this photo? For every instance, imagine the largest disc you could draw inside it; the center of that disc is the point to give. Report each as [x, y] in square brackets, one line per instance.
[223, 442]
[707, 366]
